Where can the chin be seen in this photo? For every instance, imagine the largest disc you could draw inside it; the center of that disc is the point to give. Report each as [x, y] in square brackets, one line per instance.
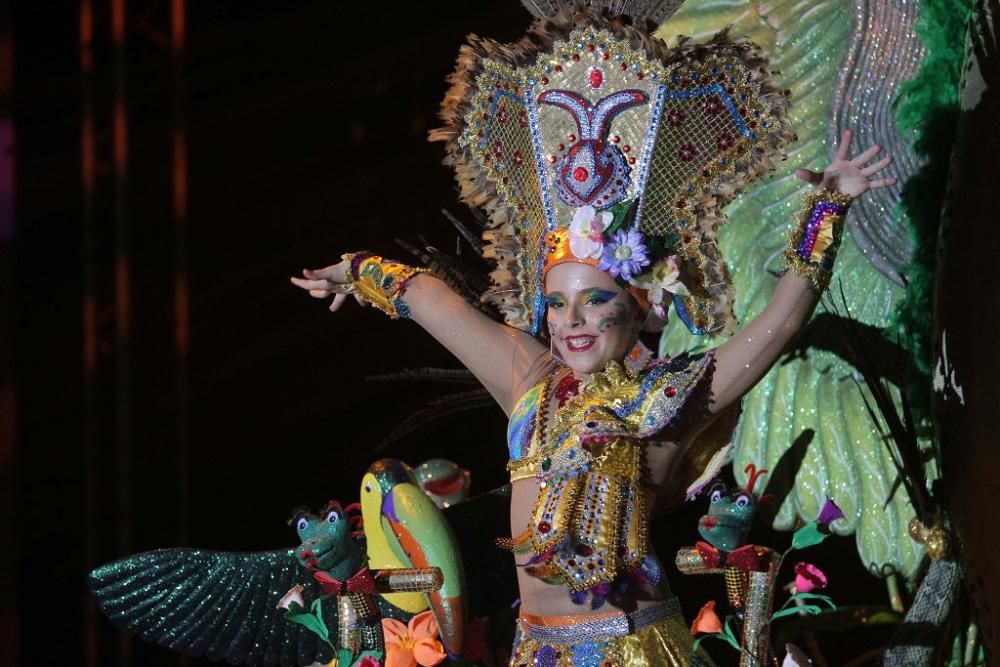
[585, 363]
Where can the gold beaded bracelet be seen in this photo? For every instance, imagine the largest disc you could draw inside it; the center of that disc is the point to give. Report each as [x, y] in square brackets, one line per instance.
[380, 282]
[815, 239]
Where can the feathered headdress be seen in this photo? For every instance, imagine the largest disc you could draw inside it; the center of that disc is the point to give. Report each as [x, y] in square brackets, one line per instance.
[590, 140]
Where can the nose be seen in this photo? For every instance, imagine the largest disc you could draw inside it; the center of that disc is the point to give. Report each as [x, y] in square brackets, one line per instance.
[574, 316]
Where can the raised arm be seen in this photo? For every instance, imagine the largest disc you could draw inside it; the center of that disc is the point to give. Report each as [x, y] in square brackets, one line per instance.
[743, 359]
[507, 361]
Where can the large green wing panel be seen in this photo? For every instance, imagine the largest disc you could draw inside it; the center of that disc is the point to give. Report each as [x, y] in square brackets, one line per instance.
[813, 388]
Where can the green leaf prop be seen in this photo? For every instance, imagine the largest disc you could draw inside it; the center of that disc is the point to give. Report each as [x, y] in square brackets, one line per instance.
[807, 536]
[624, 214]
[312, 620]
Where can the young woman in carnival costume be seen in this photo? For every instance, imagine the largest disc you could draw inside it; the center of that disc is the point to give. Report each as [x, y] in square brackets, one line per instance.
[603, 159]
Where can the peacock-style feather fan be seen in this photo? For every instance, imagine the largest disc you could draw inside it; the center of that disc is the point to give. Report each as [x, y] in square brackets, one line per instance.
[215, 604]
[843, 62]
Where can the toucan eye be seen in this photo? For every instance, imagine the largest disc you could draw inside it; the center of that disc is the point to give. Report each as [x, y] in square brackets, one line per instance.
[742, 500]
[302, 523]
[716, 495]
[368, 487]
[332, 517]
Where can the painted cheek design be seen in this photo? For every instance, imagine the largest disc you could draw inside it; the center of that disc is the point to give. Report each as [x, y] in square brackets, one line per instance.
[612, 319]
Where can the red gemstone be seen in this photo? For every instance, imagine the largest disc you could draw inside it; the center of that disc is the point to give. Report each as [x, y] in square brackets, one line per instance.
[631, 160]
[583, 550]
[681, 203]
[640, 75]
[544, 527]
[580, 174]
[545, 80]
[558, 68]
[596, 78]
[560, 147]
[616, 138]
[670, 392]
[626, 148]
[571, 138]
[605, 56]
[576, 57]
[591, 47]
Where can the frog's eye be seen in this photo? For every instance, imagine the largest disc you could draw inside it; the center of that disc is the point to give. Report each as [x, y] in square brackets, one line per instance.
[302, 523]
[332, 517]
[742, 500]
[716, 495]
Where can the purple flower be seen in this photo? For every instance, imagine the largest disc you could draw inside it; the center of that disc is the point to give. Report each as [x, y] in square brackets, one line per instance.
[625, 254]
[829, 513]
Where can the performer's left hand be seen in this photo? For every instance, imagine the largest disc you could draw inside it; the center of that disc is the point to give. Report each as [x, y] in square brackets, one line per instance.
[850, 175]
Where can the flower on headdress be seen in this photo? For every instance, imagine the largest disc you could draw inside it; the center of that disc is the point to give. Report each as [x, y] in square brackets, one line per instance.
[294, 595]
[662, 279]
[707, 620]
[625, 255]
[413, 644]
[368, 661]
[586, 232]
[808, 577]
[829, 513]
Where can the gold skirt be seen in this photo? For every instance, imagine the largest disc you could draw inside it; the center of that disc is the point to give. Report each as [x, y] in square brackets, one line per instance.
[653, 637]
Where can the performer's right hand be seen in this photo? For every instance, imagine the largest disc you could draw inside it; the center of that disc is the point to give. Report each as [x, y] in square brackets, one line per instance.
[328, 281]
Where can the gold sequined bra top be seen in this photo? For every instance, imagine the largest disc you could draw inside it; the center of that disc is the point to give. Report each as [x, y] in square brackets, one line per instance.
[588, 526]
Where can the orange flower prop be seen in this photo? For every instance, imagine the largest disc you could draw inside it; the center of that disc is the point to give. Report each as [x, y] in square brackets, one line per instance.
[413, 644]
[707, 620]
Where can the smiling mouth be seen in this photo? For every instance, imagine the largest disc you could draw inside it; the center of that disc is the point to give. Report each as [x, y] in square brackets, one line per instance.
[579, 343]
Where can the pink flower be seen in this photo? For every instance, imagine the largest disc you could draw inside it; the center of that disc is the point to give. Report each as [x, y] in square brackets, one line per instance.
[707, 620]
[808, 577]
[368, 661]
[413, 644]
[586, 232]
[294, 594]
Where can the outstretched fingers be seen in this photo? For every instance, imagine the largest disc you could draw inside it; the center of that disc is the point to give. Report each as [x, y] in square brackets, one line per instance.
[866, 155]
[882, 183]
[878, 166]
[844, 148]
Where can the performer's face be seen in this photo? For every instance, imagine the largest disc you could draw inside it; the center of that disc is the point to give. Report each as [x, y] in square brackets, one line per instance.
[591, 319]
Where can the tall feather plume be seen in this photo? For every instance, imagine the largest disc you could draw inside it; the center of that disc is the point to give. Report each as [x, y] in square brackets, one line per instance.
[656, 11]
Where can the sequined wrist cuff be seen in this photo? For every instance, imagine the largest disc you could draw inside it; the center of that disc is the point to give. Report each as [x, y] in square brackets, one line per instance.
[815, 239]
[381, 282]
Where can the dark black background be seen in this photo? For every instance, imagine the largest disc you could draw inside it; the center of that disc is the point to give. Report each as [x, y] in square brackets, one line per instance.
[306, 126]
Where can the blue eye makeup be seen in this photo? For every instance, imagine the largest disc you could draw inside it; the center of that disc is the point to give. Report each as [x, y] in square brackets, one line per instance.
[554, 301]
[596, 296]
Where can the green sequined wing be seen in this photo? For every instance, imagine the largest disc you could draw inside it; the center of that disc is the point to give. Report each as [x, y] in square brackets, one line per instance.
[818, 47]
[215, 604]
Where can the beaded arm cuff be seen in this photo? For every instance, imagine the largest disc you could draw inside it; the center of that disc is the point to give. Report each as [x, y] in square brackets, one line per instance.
[814, 240]
[380, 282]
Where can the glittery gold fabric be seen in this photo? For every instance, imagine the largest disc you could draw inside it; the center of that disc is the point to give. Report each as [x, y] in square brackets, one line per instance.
[817, 267]
[381, 283]
[666, 643]
[589, 523]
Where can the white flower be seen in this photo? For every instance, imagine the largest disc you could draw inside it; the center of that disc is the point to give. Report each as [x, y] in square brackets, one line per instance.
[586, 232]
[663, 278]
[294, 594]
[795, 657]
